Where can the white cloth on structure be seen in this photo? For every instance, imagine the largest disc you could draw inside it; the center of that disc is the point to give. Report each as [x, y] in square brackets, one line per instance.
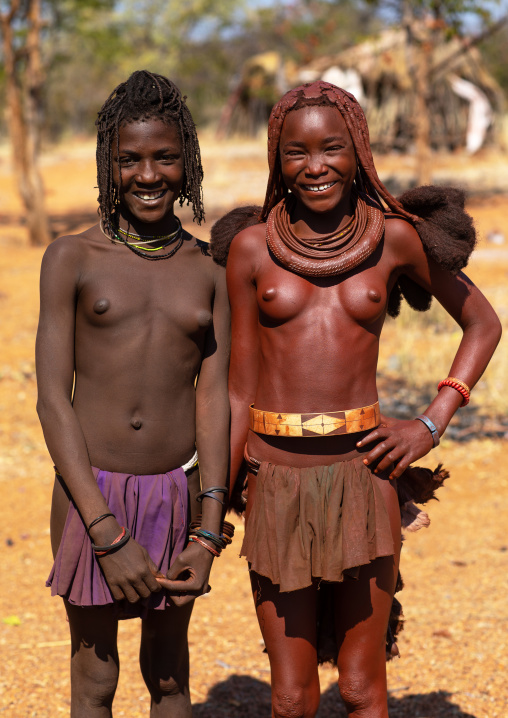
[480, 112]
[349, 80]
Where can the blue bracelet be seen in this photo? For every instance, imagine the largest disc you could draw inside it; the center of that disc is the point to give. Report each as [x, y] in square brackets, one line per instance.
[431, 427]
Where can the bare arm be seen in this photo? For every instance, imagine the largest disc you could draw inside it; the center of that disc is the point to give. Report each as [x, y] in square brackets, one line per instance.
[404, 442]
[244, 365]
[212, 442]
[129, 570]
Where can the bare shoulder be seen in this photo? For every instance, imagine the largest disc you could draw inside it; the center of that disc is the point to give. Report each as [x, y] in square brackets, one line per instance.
[402, 240]
[249, 245]
[69, 250]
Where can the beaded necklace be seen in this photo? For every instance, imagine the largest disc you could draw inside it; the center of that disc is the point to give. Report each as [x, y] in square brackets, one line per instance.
[329, 254]
[176, 236]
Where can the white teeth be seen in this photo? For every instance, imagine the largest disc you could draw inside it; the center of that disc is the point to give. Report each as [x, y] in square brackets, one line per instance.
[154, 195]
[319, 188]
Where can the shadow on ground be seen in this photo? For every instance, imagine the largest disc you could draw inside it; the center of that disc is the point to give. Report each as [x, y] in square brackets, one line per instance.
[246, 697]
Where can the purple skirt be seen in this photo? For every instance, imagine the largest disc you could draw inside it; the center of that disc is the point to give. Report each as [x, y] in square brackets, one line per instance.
[155, 510]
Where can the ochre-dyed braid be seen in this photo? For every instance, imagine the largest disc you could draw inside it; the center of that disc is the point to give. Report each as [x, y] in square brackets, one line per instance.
[143, 96]
[324, 93]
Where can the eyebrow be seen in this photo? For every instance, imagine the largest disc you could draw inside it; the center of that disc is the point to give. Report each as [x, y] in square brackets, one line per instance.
[295, 143]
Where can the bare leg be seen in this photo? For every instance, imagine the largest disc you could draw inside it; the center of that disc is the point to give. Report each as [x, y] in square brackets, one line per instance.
[288, 625]
[164, 660]
[94, 660]
[361, 620]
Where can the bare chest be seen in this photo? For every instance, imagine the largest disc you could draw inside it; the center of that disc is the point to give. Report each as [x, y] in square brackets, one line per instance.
[130, 295]
[359, 297]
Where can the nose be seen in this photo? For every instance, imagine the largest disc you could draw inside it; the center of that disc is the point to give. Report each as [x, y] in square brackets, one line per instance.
[147, 172]
[315, 165]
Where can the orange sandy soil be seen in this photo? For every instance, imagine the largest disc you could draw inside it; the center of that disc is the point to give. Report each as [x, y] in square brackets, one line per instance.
[454, 650]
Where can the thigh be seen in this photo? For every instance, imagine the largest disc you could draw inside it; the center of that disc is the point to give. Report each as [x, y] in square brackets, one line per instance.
[164, 646]
[94, 633]
[288, 624]
[362, 606]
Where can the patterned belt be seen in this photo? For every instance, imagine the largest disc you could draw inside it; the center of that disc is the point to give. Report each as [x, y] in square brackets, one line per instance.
[331, 423]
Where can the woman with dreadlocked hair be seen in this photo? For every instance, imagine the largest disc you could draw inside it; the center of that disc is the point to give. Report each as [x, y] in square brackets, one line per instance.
[132, 311]
[309, 278]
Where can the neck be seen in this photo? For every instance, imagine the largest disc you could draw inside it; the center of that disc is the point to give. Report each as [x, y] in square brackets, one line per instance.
[152, 229]
[306, 223]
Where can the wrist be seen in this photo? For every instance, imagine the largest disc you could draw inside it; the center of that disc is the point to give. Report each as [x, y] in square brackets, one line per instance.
[431, 427]
[104, 532]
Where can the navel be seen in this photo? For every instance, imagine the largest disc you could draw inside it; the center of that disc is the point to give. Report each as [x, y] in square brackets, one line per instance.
[374, 296]
[136, 424]
[101, 306]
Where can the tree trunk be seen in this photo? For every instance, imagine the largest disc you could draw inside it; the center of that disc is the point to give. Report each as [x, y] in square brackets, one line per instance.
[422, 116]
[23, 89]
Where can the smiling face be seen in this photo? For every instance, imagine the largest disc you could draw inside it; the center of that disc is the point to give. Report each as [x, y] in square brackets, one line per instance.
[318, 159]
[151, 167]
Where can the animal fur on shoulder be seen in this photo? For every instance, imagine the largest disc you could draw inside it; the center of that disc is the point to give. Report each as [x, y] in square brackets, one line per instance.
[447, 233]
[226, 228]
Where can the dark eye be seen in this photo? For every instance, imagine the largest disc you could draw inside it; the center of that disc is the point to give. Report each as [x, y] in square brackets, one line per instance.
[124, 161]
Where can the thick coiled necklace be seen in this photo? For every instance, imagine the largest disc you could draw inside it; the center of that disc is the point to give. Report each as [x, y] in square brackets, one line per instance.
[330, 254]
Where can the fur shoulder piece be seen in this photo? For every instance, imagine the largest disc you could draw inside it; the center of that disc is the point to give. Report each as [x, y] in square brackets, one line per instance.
[447, 233]
[226, 228]
[446, 230]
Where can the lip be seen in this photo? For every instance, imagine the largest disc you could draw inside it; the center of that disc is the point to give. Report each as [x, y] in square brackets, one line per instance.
[319, 188]
[149, 196]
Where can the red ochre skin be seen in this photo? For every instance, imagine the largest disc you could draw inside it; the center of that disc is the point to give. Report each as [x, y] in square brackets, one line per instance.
[133, 335]
[311, 345]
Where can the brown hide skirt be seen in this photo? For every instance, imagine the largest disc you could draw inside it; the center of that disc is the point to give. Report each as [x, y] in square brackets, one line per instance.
[320, 522]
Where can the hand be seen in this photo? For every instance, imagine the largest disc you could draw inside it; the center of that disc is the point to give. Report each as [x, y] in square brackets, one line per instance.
[397, 442]
[188, 576]
[130, 572]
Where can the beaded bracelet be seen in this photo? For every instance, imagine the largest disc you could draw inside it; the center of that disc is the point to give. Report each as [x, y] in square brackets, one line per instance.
[213, 551]
[120, 541]
[459, 386]
[98, 519]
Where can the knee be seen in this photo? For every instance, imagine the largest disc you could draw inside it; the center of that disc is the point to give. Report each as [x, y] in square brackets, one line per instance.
[362, 688]
[95, 685]
[166, 687]
[295, 703]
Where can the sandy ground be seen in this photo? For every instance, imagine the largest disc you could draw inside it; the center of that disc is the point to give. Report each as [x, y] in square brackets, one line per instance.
[454, 650]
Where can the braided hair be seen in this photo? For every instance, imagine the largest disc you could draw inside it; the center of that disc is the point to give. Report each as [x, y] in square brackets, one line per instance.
[146, 95]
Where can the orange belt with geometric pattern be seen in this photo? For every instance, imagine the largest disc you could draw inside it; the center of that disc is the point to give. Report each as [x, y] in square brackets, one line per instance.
[330, 423]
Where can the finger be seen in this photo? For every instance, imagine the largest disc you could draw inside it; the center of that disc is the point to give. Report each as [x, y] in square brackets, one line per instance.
[377, 452]
[400, 468]
[178, 586]
[150, 581]
[131, 595]
[117, 593]
[176, 570]
[375, 435]
[389, 460]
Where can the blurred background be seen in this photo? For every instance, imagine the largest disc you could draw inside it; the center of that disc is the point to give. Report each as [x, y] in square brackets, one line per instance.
[432, 77]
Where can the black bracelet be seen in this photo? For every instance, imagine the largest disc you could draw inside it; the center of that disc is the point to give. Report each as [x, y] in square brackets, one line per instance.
[209, 492]
[98, 519]
[112, 546]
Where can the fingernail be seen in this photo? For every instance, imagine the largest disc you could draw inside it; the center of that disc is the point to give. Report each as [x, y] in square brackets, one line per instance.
[365, 461]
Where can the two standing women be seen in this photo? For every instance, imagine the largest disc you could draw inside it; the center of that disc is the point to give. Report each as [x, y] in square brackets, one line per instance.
[311, 278]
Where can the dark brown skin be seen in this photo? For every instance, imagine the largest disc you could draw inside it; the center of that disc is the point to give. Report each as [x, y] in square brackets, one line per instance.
[311, 345]
[133, 335]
